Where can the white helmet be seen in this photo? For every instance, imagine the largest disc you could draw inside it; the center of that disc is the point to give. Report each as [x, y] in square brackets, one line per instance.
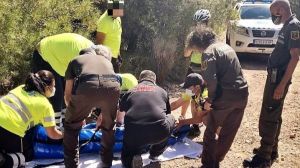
[202, 15]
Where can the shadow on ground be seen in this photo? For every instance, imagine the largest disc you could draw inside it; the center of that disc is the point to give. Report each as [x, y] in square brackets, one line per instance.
[253, 61]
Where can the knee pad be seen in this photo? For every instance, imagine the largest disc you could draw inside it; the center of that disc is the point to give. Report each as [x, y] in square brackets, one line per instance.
[14, 160]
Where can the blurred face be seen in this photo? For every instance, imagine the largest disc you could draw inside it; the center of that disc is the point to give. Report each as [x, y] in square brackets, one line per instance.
[193, 90]
[118, 12]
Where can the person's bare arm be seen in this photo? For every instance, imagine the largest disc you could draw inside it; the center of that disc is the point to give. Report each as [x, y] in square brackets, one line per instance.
[195, 120]
[177, 103]
[53, 133]
[187, 52]
[295, 53]
[100, 37]
[68, 91]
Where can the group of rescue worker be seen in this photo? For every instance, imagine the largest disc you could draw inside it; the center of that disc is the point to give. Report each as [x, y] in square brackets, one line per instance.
[71, 76]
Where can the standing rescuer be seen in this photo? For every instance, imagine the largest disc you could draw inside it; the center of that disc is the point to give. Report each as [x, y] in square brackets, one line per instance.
[109, 30]
[227, 94]
[90, 82]
[281, 66]
[21, 109]
[148, 121]
[54, 53]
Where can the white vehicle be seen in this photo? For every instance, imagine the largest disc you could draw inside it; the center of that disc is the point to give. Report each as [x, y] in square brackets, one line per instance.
[254, 32]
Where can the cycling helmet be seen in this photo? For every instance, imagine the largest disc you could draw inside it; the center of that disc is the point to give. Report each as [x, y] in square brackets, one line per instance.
[202, 15]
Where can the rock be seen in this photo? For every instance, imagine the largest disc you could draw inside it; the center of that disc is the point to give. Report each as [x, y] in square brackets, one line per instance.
[282, 159]
[293, 136]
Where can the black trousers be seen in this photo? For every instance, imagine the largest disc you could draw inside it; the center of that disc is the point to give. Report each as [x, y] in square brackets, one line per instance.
[137, 138]
[57, 100]
[270, 119]
[12, 143]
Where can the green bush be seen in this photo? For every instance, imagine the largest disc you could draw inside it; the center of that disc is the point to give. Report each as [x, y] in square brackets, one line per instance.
[154, 33]
[25, 22]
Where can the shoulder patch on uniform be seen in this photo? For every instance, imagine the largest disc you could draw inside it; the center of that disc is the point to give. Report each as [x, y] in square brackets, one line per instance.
[295, 35]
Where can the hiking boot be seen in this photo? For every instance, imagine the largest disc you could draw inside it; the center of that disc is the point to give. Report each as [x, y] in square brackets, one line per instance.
[257, 162]
[153, 159]
[195, 131]
[137, 162]
[274, 154]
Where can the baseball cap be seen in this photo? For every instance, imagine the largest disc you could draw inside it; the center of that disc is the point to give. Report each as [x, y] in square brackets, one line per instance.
[192, 80]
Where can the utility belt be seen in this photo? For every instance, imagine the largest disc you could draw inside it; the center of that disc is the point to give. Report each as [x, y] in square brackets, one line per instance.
[93, 77]
[275, 75]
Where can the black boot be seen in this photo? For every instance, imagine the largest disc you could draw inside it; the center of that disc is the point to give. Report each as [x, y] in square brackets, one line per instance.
[257, 162]
[274, 154]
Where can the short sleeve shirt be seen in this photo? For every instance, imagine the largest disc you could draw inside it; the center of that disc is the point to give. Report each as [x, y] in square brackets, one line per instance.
[88, 64]
[112, 29]
[60, 49]
[289, 37]
[40, 111]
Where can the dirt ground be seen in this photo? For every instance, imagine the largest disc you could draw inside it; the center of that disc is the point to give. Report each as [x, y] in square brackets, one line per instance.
[247, 137]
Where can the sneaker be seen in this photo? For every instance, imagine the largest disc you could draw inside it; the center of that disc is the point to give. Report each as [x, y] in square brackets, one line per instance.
[137, 162]
[195, 131]
[257, 162]
[274, 154]
[153, 159]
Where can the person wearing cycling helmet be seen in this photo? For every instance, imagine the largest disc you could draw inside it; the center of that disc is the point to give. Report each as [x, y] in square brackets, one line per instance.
[201, 19]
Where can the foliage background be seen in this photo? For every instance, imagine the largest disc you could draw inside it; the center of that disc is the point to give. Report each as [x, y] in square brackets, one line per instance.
[153, 31]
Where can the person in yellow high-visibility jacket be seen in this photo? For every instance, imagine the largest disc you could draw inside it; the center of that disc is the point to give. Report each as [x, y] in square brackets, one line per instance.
[54, 53]
[21, 109]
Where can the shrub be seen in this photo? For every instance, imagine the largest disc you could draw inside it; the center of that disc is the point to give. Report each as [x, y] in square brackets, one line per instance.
[25, 22]
[154, 33]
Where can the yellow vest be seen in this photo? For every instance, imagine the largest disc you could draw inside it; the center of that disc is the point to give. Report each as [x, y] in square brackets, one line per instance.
[21, 110]
[60, 49]
[112, 29]
[128, 81]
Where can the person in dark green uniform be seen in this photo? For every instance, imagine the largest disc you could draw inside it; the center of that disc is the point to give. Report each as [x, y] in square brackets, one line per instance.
[90, 82]
[281, 66]
[227, 94]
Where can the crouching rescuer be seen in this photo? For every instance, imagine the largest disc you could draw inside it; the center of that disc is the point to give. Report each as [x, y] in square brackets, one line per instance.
[148, 121]
[21, 109]
[90, 82]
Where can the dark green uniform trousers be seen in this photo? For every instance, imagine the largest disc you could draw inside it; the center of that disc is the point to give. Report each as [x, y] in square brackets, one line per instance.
[270, 119]
[101, 94]
[228, 112]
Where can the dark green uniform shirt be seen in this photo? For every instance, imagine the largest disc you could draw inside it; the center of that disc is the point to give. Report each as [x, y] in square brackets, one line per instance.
[221, 69]
[289, 37]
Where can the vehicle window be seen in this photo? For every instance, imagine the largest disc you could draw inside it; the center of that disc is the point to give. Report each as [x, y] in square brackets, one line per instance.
[255, 12]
